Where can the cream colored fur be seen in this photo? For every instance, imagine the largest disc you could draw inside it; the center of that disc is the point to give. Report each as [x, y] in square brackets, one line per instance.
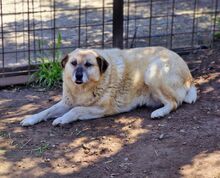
[153, 76]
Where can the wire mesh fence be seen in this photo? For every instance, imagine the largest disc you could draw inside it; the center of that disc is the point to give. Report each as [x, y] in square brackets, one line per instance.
[30, 29]
[176, 24]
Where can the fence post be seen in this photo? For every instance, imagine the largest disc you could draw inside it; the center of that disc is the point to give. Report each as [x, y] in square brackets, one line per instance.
[118, 19]
[2, 40]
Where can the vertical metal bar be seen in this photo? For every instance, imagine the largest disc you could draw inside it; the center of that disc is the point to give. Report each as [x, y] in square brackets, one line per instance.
[2, 36]
[193, 27]
[167, 26]
[103, 23]
[29, 40]
[86, 23]
[150, 21]
[128, 18]
[215, 19]
[133, 43]
[79, 30]
[118, 23]
[54, 30]
[34, 35]
[23, 29]
[41, 26]
[172, 20]
[16, 42]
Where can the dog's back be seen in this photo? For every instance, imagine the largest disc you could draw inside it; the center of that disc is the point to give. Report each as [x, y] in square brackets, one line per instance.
[150, 76]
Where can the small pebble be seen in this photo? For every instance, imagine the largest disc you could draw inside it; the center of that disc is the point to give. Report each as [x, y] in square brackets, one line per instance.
[51, 135]
[47, 160]
[122, 135]
[182, 131]
[85, 147]
[161, 136]
[86, 151]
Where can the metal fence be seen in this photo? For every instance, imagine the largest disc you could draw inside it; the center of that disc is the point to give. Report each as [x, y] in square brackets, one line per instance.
[30, 29]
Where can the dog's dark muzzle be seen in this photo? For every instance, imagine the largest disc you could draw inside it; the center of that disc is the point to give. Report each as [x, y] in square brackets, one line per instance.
[79, 75]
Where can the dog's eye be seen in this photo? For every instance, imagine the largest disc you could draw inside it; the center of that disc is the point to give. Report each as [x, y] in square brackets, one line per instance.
[74, 63]
[88, 64]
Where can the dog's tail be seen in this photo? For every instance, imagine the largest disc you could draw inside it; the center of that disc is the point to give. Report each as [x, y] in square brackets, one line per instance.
[191, 95]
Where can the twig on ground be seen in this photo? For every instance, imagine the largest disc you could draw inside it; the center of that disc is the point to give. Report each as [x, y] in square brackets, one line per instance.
[156, 152]
[81, 131]
[108, 161]
[26, 143]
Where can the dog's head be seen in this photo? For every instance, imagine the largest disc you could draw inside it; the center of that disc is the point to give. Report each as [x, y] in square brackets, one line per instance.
[84, 66]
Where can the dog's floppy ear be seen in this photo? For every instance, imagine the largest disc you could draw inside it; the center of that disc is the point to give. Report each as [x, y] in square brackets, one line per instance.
[64, 61]
[102, 63]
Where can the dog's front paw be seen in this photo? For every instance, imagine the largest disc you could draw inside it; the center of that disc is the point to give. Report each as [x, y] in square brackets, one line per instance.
[60, 121]
[30, 120]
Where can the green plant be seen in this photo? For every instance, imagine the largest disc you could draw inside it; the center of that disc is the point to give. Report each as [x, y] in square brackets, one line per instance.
[58, 53]
[217, 34]
[49, 73]
[41, 149]
[4, 134]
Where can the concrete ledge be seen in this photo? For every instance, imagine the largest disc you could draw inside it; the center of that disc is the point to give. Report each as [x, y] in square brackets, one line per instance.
[7, 81]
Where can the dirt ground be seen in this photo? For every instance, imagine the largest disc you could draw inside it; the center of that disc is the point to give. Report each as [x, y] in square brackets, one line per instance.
[184, 144]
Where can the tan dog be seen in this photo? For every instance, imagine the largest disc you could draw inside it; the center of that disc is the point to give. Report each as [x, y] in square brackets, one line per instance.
[97, 83]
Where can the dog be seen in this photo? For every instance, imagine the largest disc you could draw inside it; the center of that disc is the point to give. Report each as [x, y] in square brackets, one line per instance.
[99, 83]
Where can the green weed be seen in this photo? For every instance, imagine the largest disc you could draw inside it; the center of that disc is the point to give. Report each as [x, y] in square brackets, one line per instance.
[49, 73]
[217, 34]
[4, 134]
[41, 149]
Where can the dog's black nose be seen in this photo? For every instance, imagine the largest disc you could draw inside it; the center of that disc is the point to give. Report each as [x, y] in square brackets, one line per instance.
[79, 74]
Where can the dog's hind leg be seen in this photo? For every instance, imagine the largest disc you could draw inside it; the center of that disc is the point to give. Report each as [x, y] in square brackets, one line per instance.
[191, 95]
[154, 78]
[56, 110]
[169, 104]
